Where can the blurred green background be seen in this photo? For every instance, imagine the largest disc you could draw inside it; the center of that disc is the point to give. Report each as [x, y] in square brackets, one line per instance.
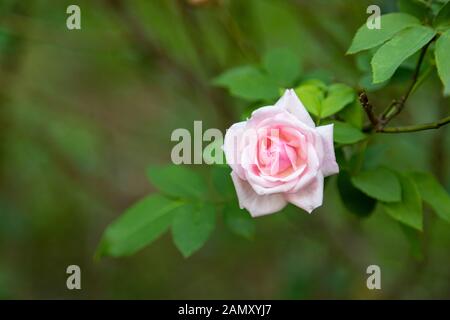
[83, 112]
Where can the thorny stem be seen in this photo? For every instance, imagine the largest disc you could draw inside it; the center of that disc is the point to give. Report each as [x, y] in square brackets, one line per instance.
[419, 127]
[378, 123]
[368, 108]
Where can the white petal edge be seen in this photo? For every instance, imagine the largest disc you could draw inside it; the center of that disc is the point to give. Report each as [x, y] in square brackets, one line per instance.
[309, 197]
[292, 104]
[329, 165]
[256, 204]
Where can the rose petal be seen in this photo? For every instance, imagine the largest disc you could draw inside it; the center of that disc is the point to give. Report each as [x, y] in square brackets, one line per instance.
[291, 154]
[292, 103]
[256, 204]
[232, 146]
[264, 184]
[310, 172]
[309, 197]
[285, 119]
[262, 114]
[329, 165]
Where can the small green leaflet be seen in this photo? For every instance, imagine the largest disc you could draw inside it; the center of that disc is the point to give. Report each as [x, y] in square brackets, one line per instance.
[346, 134]
[353, 199]
[339, 95]
[433, 193]
[311, 96]
[379, 183]
[248, 82]
[409, 210]
[322, 101]
[363, 63]
[442, 20]
[280, 68]
[414, 7]
[138, 226]
[177, 181]
[315, 82]
[404, 44]
[192, 226]
[442, 53]
[391, 24]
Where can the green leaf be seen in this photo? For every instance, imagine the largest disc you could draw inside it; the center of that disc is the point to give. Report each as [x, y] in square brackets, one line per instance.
[414, 238]
[353, 114]
[249, 83]
[353, 199]
[339, 95]
[433, 193]
[239, 221]
[177, 181]
[192, 226]
[379, 183]
[391, 24]
[311, 96]
[413, 7]
[442, 19]
[437, 5]
[404, 44]
[139, 225]
[315, 82]
[442, 61]
[374, 155]
[346, 133]
[409, 210]
[365, 81]
[282, 65]
[222, 181]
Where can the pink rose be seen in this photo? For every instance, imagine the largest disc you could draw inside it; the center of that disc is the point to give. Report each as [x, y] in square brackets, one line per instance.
[279, 156]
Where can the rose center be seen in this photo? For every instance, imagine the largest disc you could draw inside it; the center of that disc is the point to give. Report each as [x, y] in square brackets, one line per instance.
[276, 156]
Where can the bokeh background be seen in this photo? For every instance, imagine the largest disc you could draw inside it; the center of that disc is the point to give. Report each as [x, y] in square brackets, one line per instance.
[83, 112]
